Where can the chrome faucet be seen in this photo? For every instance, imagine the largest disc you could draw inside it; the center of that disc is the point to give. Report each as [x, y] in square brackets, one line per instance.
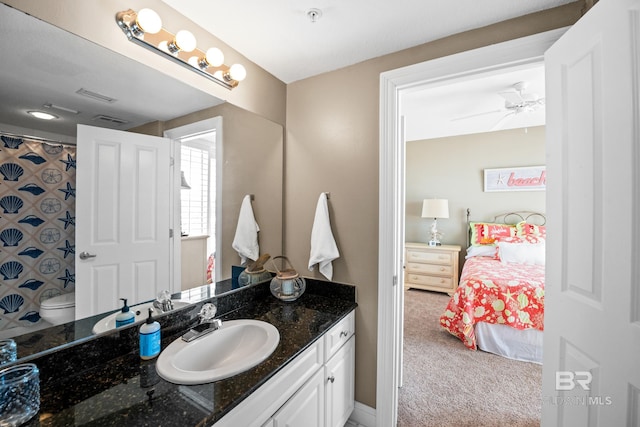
[207, 323]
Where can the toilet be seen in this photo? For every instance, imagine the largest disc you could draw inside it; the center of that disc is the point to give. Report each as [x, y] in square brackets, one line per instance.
[59, 309]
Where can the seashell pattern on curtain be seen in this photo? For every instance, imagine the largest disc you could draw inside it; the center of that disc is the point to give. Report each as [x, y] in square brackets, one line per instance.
[37, 226]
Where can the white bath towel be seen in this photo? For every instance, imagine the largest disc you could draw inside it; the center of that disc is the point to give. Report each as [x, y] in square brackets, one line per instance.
[323, 245]
[245, 241]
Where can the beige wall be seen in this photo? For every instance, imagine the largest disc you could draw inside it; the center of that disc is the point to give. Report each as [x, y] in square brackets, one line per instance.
[332, 145]
[452, 168]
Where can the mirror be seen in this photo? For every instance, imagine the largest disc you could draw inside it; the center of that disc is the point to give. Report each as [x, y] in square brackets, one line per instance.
[42, 66]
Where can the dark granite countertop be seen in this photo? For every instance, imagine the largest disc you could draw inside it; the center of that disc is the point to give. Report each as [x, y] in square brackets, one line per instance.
[126, 391]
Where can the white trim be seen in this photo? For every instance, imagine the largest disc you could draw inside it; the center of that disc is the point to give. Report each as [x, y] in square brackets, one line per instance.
[515, 53]
[362, 416]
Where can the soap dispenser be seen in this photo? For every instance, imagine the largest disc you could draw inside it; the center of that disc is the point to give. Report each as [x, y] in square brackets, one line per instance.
[149, 338]
[125, 317]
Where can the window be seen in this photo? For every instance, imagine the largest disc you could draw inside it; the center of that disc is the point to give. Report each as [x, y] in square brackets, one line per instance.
[198, 166]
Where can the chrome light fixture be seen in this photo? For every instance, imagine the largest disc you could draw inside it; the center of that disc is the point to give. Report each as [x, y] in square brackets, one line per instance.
[144, 28]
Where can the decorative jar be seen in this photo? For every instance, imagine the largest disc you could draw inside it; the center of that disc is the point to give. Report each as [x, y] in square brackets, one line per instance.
[287, 285]
[255, 272]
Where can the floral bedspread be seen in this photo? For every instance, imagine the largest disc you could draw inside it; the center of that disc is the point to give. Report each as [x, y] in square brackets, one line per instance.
[493, 292]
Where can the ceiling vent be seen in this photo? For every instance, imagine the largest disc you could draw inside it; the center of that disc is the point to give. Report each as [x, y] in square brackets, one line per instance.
[95, 95]
[103, 118]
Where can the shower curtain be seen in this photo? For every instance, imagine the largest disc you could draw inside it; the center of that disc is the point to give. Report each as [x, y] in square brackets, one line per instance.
[37, 226]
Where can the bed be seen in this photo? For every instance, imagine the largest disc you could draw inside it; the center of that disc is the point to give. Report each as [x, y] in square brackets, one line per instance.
[499, 304]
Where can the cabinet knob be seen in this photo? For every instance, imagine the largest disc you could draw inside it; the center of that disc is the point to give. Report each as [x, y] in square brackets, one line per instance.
[331, 378]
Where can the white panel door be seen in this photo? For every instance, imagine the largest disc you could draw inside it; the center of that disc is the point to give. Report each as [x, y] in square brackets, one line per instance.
[122, 218]
[591, 374]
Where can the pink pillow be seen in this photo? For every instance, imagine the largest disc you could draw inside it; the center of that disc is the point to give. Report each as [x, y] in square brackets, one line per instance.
[530, 238]
[524, 229]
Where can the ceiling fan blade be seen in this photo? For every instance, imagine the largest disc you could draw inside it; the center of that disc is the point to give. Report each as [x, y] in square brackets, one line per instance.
[476, 115]
[512, 97]
[502, 120]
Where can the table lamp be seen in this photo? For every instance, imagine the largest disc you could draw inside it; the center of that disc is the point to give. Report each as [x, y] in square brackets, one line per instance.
[435, 208]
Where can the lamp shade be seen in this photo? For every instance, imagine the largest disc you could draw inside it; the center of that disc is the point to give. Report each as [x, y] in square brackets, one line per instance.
[435, 208]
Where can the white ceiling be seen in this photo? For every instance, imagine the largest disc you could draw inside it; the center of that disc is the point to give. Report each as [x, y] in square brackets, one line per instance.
[472, 106]
[278, 36]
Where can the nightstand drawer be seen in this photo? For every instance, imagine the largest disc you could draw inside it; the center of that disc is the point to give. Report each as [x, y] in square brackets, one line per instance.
[441, 270]
[430, 257]
[440, 282]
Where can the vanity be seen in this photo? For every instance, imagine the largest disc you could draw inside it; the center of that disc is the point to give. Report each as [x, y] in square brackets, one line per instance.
[308, 380]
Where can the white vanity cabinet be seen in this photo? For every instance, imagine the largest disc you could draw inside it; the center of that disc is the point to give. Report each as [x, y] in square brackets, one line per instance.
[306, 408]
[316, 389]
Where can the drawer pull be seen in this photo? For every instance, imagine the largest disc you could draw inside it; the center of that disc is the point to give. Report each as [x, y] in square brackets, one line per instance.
[344, 334]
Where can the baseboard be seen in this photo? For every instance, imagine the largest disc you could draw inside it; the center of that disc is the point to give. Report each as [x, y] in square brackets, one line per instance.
[362, 416]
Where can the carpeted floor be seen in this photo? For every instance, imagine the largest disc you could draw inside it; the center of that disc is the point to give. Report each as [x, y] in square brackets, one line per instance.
[445, 384]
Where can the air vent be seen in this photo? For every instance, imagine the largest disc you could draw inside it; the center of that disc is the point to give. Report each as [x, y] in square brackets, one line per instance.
[95, 95]
[108, 119]
[60, 108]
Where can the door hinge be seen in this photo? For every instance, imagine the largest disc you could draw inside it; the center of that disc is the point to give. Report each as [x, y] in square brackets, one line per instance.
[172, 161]
[170, 232]
[395, 280]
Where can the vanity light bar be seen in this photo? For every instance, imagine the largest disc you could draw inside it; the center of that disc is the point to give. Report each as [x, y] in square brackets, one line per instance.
[179, 48]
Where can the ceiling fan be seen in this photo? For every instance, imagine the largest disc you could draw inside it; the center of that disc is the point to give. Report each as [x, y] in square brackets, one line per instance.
[516, 101]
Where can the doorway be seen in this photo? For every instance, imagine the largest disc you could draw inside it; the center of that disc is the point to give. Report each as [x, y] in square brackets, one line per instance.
[198, 152]
[521, 52]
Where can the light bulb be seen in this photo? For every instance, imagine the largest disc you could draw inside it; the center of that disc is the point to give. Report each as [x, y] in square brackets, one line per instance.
[193, 61]
[149, 21]
[185, 41]
[219, 75]
[237, 72]
[164, 46]
[214, 57]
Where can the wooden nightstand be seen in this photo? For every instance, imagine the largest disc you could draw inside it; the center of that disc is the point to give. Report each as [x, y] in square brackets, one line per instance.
[433, 268]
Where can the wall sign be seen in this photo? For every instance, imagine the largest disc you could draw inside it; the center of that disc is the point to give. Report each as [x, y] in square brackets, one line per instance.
[532, 178]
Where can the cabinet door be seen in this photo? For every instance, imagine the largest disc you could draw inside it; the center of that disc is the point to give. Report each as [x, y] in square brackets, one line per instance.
[340, 378]
[306, 407]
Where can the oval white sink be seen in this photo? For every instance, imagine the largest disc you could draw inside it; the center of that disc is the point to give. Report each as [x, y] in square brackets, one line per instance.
[141, 312]
[234, 348]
